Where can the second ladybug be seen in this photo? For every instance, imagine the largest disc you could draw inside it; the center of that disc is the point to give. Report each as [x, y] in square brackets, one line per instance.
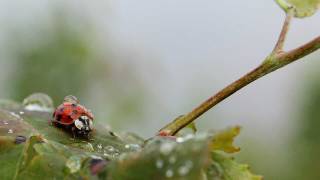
[74, 117]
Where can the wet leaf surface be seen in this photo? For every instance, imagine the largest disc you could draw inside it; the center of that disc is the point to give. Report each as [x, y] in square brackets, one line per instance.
[225, 168]
[163, 158]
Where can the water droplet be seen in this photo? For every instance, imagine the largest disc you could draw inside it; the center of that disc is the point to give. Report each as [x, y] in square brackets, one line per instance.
[122, 157]
[166, 148]
[35, 107]
[172, 159]
[159, 163]
[109, 148]
[74, 164]
[21, 112]
[99, 146]
[10, 131]
[188, 136]
[15, 115]
[38, 102]
[90, 147]
[184, 169]
[95, 157]
[116, 154]
[5, 122]
[133, 147]
[180, 140]
[185, 138]
[169, 173]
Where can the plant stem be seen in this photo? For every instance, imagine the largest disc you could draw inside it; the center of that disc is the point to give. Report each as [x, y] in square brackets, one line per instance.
[284, 5]
[282, 37]
[299, 52]
[274, 61]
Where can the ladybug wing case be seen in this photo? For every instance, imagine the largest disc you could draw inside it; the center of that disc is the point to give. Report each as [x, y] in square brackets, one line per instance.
[64, 114]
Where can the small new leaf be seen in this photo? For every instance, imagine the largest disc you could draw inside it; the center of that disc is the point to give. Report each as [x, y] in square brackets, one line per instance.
[223, 140]
[225, 168]
[193, 127]
[302, 8]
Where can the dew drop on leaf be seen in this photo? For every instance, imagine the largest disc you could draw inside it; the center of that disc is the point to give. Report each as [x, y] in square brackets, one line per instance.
[184, 169]
[99, 146]
[109, 148]
[166, 148]
[172, 159]
[15, 115]
[169, 173]
[74, 164]
[159, 163]
[180, 140]
[133, 147]
[38, 102]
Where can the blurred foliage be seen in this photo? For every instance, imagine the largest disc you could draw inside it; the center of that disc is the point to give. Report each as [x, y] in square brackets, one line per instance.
[61, 60]
[306, 144]
[59, 64]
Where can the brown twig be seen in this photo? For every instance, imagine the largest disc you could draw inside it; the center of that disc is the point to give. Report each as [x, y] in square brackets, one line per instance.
[277, 59]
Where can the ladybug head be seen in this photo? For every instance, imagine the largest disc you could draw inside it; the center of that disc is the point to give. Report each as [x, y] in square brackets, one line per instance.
[83, 125]
[72, 99]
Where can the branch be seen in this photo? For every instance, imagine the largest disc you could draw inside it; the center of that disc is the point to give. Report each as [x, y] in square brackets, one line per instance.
[274, 61]
[299, 52]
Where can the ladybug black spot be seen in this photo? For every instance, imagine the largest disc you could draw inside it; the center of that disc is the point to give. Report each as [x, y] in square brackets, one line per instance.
[58, 117]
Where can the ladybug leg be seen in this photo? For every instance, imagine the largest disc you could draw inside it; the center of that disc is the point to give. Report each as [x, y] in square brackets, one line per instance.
[89, 136]
[73, 129]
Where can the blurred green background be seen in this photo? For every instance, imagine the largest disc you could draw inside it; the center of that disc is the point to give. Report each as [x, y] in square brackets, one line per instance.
[138, 65]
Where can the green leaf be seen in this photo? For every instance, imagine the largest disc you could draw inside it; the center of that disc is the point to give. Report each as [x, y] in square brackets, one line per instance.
[44, 158]
[301, 8]
[225, 168]
[163, 158]
[31, 148]
[223, 140]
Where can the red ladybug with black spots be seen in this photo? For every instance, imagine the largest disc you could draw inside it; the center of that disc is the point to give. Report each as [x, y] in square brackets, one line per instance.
[74, 117]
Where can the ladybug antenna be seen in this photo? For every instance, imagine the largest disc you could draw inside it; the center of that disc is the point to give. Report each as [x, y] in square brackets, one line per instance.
[71, 99]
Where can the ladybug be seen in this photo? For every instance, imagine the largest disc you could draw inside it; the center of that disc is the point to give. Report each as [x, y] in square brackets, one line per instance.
[74, 117]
